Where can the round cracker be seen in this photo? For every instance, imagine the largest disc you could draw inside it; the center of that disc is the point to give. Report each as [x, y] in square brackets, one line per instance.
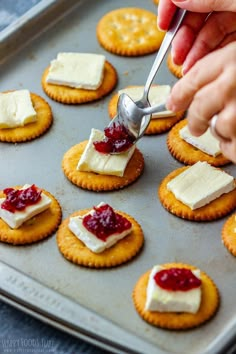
[97, 182]
[187, 153]
[75, 250]
[176, 70]
[156, 126]
[178, 321]
[70, 95]
[37, 228]
[129, 32]
[32, 130]
[216, 209]
[229, 234]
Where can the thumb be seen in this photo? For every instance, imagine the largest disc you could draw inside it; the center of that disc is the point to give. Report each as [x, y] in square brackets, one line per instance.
[206, 6]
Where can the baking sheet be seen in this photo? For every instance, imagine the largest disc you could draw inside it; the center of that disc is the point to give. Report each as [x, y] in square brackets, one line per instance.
[107, 293]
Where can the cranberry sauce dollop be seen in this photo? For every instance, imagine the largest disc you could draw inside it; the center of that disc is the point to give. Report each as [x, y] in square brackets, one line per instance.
[117, 139]
[177, 279]
[17, 199]
[105, 222]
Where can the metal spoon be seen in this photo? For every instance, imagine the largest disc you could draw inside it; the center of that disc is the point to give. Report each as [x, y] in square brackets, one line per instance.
[135, 116]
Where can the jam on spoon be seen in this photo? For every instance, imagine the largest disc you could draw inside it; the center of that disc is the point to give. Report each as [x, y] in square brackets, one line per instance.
[117, 140]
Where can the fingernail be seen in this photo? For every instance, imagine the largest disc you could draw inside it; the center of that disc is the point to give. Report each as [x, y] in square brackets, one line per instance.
[184, 69]
[159, 28]
[169, 104]
[186, 66]
[172, 54]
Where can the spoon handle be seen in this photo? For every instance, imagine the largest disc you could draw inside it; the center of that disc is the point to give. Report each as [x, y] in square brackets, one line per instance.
[175, 24]
[154, 109]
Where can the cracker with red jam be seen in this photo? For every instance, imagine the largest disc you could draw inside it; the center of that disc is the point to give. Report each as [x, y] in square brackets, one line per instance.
[71, 95]
[209, 305]
[98, 182]
[156, 126]
[75, 251]
[36, 228]
[229, 234]
[32, 130]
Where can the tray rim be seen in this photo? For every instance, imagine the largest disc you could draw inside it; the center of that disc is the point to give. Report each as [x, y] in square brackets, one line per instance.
[32, 24]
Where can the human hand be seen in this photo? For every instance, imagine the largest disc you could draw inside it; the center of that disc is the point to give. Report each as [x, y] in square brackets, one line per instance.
[207, 26]
[207, 89]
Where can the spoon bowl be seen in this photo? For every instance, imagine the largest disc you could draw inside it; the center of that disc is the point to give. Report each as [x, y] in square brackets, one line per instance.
[135, 116]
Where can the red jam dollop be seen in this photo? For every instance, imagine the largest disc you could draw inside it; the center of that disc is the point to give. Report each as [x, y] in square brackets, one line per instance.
[105, 222]
[177, 279]
[19, 199]
[117, 139]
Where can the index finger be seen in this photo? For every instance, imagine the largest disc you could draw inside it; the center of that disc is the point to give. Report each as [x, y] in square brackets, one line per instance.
[166, 11]
[199, 76]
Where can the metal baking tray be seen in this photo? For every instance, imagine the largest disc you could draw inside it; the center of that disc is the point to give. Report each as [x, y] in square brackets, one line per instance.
[96, 305]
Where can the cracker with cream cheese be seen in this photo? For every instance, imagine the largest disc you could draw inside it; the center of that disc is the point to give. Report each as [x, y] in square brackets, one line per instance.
[33, 130]
[76, 251]
[188, 154]
[210, 301]
[159, 125]
[100, 182]
[214, 210]
[70, 95]
[35, 229]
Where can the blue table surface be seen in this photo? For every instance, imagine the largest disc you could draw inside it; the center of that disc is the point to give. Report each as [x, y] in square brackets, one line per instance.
[19, 332]
[10, 10]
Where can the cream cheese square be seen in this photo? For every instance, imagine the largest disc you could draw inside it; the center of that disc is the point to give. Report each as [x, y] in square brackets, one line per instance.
[157, 95]
[95, 244]
[162, 300]
[16, 219]
[206, 142]
[105, 164]
[16, 109]
[78, 70]
[199, 184]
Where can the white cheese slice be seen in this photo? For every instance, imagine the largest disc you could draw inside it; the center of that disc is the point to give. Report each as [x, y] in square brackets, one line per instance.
[16, 219]
[105, 164]
[199, 184]
[157, 95]
[78, 70]
[16, 109]
[206, 142]
[162, 300]
[91, 241]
